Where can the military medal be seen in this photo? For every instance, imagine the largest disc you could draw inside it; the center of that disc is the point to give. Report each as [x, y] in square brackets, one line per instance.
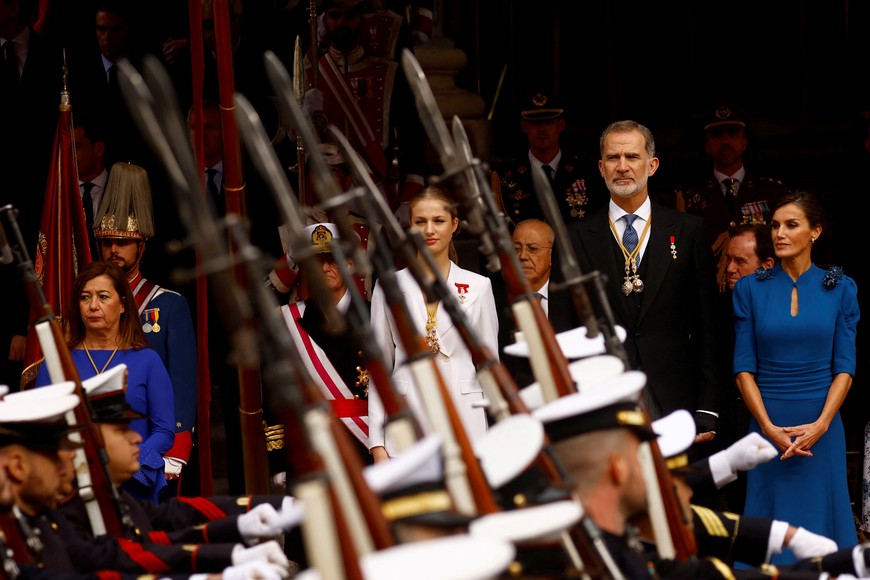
[462, 290]
[150, 325]
[147, 326]
[576, 197]
[673, 248]
[632, 282]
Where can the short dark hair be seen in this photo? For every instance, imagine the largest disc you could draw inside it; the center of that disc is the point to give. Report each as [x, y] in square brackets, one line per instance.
[763, 239]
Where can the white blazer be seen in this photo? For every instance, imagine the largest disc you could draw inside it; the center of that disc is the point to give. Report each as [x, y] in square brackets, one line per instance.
[458, 371]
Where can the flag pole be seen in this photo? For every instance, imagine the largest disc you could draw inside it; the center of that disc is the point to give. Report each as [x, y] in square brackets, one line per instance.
[203, 373]
[250, 398]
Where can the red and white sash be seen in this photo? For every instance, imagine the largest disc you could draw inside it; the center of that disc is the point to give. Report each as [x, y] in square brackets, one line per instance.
[323, 373]
[143, 291]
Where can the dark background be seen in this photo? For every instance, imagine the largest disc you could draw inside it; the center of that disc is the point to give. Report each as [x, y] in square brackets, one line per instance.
[797, 67]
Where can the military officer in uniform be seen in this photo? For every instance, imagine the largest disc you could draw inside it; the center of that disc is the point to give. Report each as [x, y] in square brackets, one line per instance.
[334, 361]
[543, 122]
[164, 314]
[731, 194]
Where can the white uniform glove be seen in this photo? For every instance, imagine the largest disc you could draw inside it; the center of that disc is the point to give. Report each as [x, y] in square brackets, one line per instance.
[260, 522]
[312, 101]
[268, 552]
[742, 455]
[805, 544]
[254, 570]
[290, 515]
[860, 561]
[172, 466]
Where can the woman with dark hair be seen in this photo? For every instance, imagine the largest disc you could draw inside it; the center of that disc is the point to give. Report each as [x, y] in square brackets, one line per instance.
[794, 360]
[106, 333]
[433, 213]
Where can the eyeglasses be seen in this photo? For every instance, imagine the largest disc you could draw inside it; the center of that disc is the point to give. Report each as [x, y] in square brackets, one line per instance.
[532, 249]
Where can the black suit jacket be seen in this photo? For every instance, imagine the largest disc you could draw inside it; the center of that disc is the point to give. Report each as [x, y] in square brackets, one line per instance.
[671, 326]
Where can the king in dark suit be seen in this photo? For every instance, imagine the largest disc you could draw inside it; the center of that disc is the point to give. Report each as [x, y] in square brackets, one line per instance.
[659, 281]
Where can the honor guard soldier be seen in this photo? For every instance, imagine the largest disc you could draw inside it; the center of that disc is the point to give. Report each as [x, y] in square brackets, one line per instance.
[122, 226]
[368, 98]
[730, 194]
[543, 121]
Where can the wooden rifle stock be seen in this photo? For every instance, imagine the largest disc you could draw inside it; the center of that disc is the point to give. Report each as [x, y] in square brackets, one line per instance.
[678, 531]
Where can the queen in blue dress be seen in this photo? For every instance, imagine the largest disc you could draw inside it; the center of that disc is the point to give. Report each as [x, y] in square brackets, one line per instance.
[794, 360]
[104, 333]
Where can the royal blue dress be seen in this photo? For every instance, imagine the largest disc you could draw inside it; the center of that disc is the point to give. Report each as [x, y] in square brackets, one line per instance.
[149, 391]
[794, 360]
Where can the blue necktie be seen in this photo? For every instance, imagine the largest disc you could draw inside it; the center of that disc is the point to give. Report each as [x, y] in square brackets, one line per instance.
[629, 236]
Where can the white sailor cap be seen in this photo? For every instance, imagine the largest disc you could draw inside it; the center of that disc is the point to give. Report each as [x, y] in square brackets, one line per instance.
[452, 557]
[107, 394]
[586, 373]
[536, 523]
[573, 344]
[457, 557]
[40, 394]
[412, 488]
[4, 390]
[37, 417]
[535, 532]
[507, 454]
[617, 405]
[676, 433]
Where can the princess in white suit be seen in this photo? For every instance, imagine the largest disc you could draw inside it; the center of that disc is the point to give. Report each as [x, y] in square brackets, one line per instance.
[433, 213]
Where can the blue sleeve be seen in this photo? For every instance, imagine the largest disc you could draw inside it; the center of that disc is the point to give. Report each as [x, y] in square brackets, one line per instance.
[845, 356]
[161, 420]
[161, 408]
[745, 355]
[182, 364]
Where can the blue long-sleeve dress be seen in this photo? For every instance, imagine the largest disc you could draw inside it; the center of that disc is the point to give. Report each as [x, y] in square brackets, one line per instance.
[149, 391]
[794, 360]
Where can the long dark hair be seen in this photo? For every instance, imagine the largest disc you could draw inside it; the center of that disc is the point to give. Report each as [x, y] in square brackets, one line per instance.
[130, 334]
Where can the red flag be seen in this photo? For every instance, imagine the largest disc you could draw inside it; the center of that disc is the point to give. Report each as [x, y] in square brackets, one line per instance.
[62, 247]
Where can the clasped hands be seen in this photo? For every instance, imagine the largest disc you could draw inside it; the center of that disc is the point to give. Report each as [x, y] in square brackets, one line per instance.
[796, 440]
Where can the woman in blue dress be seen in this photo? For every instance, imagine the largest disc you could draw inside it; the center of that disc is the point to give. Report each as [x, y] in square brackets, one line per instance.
[106, 332]
[794, 360]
